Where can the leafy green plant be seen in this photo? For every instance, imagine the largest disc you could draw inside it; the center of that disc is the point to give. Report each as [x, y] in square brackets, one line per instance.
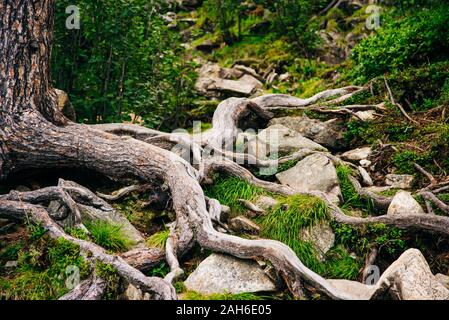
[419, 36]
[109, 236]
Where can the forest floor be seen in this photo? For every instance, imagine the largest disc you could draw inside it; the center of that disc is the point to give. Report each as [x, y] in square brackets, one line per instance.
[362, 149]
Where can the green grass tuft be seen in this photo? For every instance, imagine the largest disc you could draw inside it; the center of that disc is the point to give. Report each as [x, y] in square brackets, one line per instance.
[228, 190]
[159, 239]
[350, 196]
[109, 236]
[284, 222]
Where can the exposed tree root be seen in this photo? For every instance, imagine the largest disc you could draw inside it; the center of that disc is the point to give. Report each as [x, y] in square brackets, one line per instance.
[157, 287]
[89, 289]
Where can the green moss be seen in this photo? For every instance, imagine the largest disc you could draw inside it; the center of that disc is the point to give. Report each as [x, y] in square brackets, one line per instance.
[340, 264]
[109, 236]
[228, 190]
[113, 281]
[44, 266]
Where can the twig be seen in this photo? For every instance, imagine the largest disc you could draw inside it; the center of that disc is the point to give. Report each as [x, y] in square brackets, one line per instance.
[393, 101]
[433, 181]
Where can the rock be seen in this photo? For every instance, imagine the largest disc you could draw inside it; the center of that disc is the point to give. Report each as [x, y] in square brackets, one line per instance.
[399, 181]
[355, 289]
[115, 218]
[207, 46]
[251, 80]
[265, 203]
[321, 236]
[404, 203]
[357, 155]
[368, 115]
[132, 293]
[242, 224]
[248, 70]
[377, 189]
[444, 280]
[410, 278]
[366, 178]
[235, 87]
[285, 77]
[219, 274]
[328, 134]
[281, 140]
[365, 163]
[11, 264]
[214, 81]
[314, 173]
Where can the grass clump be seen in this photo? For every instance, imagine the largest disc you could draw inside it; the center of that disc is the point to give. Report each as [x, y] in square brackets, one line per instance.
[285, 221]
[159, 239]
[350, 196]
[228, 190]
[109, 236]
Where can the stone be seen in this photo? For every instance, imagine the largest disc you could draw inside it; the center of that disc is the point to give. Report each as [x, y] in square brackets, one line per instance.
[366, 178]
[134, 294]
[410, 278]
[357, 155]
[399, 181]
[404, 203]
[314, 173]
[285, 77]
[265, 202]
[365, 163]
[207, 46]
[368, 115]
[355, 289]
[220, 274]
[248, 70]
[243, 225]
[11, 264]
[328, 134]
[321, 236]
[249, 79]
[281, 140]
[444, 280]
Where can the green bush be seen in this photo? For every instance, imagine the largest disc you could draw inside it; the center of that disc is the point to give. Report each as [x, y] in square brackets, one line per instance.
[419, 36]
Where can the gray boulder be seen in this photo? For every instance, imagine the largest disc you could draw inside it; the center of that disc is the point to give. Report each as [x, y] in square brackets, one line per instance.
[282, 140]
[404, 203]
[244, 225]
[355, 289]
[219, 274]
[321, 236]
[357, 155]
[314, 173]
[328, 134]
[410, 278]
[399, 181]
